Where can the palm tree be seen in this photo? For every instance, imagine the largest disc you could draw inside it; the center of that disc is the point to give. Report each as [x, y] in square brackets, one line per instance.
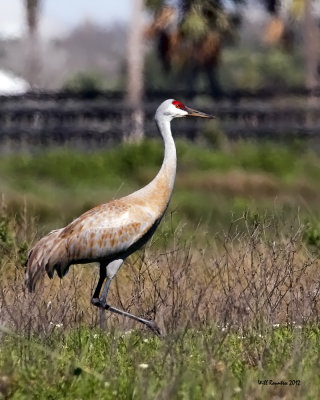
[194, 40]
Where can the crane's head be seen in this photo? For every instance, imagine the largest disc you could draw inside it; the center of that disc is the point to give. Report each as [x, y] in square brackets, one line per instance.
[171, 108]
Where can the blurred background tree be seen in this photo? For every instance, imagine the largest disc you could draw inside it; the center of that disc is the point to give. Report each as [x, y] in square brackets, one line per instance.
[189, 37]
[88, 81]
[33, 62]
[280, 31]
[191, 34]
[311, 40]
[135, 71]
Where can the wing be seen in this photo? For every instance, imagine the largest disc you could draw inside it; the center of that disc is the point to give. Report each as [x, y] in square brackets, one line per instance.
[106, 230]
[98, 234]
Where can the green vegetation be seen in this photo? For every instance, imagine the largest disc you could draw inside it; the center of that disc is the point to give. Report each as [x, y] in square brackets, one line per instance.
[231, 277]
[89, 81]
[214, 185]
[206, 364]
[241, 68]
[244, 68]
[238, 314]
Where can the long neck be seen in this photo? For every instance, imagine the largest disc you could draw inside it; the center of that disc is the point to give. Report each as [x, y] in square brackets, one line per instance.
[158, 192]
[167, 172]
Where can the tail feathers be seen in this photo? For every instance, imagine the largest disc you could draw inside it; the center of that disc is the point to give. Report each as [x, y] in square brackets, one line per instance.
[48, 255]
[35, 268]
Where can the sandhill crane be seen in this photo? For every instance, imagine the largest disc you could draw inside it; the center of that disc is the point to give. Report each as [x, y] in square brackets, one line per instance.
[110, 232]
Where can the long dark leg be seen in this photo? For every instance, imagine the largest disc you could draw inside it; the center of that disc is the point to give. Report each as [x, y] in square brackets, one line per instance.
[102, 277]
[150, 324]
[112, 269]
[96, 294]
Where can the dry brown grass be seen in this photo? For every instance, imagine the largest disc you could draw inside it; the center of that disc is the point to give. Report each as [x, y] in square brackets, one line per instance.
[240, 281]
[239, 182]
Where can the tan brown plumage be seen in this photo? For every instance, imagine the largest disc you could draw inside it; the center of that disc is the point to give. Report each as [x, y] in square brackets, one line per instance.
[98, 234]
[110, 232]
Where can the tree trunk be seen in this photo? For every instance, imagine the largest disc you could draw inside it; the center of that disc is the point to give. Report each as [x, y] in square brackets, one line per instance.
[32, 47]
[310, 33]
[135, 72]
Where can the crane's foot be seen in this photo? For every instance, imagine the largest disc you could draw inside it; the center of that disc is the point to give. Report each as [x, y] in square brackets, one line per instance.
[96, 302]
[150, 324]
[154, 327]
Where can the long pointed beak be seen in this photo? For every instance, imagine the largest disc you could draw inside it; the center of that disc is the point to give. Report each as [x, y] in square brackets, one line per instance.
[195, 113]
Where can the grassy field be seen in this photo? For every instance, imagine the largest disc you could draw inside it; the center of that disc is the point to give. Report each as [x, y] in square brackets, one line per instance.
[88, 364]
[213, 187]
[232, 278]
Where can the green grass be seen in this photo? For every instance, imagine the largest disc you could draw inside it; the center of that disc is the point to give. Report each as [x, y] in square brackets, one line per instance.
[194, 364]
[59, 184]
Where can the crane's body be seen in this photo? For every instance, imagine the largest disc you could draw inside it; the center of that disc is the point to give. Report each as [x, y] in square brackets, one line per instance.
[110, 232]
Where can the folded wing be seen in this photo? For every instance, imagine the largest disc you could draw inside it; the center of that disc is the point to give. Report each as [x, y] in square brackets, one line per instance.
[100, 233]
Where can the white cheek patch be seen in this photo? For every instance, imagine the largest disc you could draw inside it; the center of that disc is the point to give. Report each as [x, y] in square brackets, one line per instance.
[172, 109]
[181, 113]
